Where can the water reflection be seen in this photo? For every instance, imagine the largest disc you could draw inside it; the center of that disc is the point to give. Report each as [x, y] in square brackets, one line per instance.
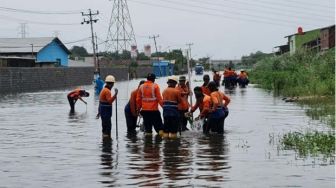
[107, 163]
[213, 152]
[177, 161]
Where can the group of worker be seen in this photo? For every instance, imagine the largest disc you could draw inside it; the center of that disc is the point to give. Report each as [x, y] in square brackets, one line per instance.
[146, 98]
[145, 101]
[231, 78]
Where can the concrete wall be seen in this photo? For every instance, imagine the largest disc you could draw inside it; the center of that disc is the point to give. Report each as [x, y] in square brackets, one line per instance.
[13, 79]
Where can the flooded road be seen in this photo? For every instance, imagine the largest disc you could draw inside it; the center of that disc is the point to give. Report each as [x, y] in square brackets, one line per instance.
[42, 145]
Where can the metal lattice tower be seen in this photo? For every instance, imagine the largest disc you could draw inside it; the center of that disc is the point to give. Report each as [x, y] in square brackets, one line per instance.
[120, 34]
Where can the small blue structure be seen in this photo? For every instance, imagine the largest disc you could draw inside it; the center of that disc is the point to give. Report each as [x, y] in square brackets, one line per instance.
[45, 50]
[163, 68]
[199, 69]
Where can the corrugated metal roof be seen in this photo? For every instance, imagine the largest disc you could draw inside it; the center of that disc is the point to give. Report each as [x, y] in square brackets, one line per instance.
[24, 45]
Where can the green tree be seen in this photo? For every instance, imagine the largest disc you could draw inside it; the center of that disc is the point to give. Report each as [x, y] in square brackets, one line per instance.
[78, 51]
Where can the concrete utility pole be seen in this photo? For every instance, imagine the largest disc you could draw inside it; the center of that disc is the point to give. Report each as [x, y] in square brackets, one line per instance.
[189, 67]
[156, 50]
[90, 21]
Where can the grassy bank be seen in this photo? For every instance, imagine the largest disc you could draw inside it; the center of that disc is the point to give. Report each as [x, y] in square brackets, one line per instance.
[311, 78]
[308, 75]
[302, 74]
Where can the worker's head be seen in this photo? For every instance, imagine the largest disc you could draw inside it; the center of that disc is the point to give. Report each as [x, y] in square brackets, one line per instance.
[151, 77]
[172, 81]
[141, 82]
[206, 78]
[212, 86]
[182, 80]
[84, 93]
[198, 92]
[109, 81]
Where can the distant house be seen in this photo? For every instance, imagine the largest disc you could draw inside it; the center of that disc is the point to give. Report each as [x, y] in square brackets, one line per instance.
[45, 50]
[282, 49]
[163, 68]
[317, 39]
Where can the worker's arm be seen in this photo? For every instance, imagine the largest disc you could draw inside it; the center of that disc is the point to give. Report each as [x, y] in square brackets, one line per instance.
[226, 99]
[80, 98]
[139, 100]
[158, 95]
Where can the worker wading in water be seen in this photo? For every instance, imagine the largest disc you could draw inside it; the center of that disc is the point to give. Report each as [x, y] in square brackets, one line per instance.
[131, 114]
[148, 100]
[203, 103]
[183, 106]
[105, 105]
[74, 95]
[206, 80]
[171, 116]
[219, 110]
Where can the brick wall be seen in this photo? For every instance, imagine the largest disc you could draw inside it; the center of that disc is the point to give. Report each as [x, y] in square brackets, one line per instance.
[21, 79]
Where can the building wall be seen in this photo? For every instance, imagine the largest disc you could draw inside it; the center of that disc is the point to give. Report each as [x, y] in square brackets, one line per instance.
[51, 53]
[307, 37]
[14, 79]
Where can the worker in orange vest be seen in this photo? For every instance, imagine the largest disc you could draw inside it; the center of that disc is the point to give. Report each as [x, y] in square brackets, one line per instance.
[183, 106]
[74, 95]
[203, 103]
[216, 77]
[131, 111]
[105, 105]
[219, 110]
[171, 98]
[148, 100]
[243, 79]
[206, 80]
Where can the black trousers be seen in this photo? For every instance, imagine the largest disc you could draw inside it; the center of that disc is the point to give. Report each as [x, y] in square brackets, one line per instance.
[72, 103]
[150, 119]
[183, 120]
[131, 122]
[106, 126]
[171, 124]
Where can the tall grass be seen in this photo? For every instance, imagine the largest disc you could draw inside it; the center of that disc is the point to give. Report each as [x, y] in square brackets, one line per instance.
[311, 77]
[302, 74]
[305, 74]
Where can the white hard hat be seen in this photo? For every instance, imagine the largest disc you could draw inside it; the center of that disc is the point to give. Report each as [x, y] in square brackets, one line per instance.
[109, 78]
[174, 78]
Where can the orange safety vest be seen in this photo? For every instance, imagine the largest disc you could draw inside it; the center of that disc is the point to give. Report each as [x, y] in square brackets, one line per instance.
[184, 104]
[149, 96]
[204, 106]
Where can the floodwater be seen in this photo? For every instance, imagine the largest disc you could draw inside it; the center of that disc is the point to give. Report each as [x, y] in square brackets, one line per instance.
[42, 145]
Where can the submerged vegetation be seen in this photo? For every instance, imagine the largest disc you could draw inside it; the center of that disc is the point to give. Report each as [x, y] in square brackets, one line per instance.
[310, 77]
[313, 143]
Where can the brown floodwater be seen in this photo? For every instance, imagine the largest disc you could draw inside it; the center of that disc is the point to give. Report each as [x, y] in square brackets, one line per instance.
[43, 145]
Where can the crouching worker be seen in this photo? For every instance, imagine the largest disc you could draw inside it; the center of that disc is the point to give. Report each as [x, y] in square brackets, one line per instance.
[131, 114]
[105, 105]
[203, 103]
[74, 95]
[148, 100]
[171, 115]
[219, 110]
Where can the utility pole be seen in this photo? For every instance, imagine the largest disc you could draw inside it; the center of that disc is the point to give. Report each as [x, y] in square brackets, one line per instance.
[90, 21]
[156, 50]
[189, 67]
[98, 65]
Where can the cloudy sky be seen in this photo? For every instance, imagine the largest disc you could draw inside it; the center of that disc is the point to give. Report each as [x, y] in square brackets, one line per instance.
[221, 29]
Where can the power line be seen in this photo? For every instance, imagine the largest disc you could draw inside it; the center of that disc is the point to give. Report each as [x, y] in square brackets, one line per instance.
[35, 22]
[268, 10]
[229, 17]
[39, 12]
[226, 11]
